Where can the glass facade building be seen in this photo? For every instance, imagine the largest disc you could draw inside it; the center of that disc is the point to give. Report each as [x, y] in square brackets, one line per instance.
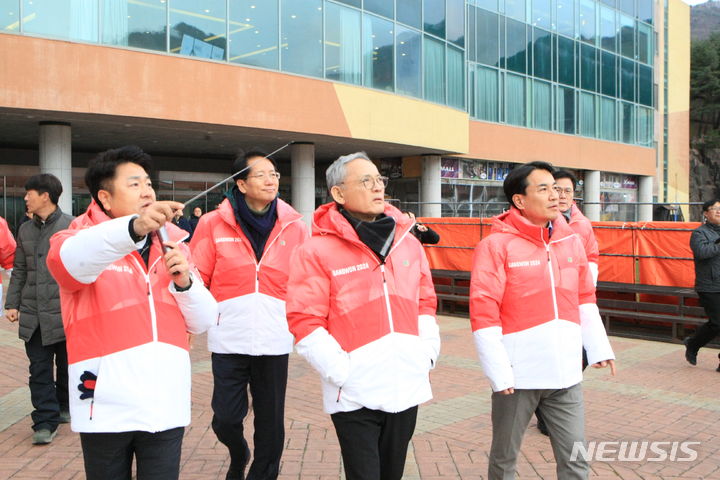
[577, 67]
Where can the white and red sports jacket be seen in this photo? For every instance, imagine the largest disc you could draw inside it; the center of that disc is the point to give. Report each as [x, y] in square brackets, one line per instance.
[532, 306]
[367, 327]
[250, 293]
[582, 226]
[126, 326]
[7, 247]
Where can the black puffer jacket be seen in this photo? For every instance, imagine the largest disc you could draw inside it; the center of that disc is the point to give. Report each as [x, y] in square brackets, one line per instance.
[706, 252]
[32, 290]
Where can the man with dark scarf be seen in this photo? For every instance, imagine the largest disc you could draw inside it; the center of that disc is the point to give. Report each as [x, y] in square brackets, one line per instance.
[361, 305]
[243, 252]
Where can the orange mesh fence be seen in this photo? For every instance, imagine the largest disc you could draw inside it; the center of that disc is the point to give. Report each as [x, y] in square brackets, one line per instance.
[652, 253]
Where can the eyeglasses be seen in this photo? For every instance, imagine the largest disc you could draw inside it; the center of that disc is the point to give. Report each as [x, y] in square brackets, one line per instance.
[369, 182]
[713, 209]
[262, 176]
[566, 191]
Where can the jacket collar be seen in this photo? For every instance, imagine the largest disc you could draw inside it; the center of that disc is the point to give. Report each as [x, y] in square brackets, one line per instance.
[50, 218]
[515, 223]
[285, 213]
[327, 220]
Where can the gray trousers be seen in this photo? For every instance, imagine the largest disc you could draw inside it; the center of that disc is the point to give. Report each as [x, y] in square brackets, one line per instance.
[564, 414]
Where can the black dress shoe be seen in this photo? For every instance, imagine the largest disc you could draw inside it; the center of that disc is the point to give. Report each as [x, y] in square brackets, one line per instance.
[718, 368]
[690, 354]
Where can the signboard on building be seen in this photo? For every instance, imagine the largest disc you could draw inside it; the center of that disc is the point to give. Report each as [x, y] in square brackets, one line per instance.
[449, 168]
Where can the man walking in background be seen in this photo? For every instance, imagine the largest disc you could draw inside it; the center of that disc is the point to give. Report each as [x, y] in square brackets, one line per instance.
[33, 299]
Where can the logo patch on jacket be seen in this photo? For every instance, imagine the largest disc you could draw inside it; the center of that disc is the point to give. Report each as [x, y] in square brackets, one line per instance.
[350, 269]
[228, 240]
[119, 268]
[524, 263]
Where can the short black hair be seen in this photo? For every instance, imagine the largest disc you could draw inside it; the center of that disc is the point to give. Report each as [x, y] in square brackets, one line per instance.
[45, 183]
[709, 203]
[558, 174]
[241, 161]
[101, 169]
[516, 181]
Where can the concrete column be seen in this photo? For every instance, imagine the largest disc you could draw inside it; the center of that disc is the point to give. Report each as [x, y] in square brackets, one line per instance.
[55, 148]
[591, 188]
[302, 163]
[645, 190]
[430, 190]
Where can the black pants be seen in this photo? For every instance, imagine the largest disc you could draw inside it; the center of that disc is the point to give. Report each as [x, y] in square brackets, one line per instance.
[709, 330]
[110, 455]
[373, 443]
[266, 375]
[48, 388]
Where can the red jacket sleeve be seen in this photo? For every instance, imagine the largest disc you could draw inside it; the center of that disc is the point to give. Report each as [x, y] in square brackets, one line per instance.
[308, 297]
[203, 250]
[487, 284]
[7, 246]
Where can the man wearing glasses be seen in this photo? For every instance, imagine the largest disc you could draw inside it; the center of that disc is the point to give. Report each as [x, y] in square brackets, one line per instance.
[243, 252]
[705, 245]
[361, 305]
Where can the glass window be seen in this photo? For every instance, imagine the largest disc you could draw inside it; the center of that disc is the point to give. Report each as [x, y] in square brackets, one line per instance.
[516, 53]
[10, 15]
[515, 9]
[354, 3]
[515, 100]
[645, 126]
[408, 49]
[381, 7]
[542, 54]
[608, 74]
[487, 48]
[645, 85]
[434, 17]
[627, 122]
[608, 30]
[471, 35]
[434, 70]
[542, 14]
[609, 2]
[587, 114]
[455, 21]
[409, 12]
[566, 17]
[378, 44]
[455, 78]
[198, 29]
[301, 37]
[72, 19]
[491, 5]
[254, 33]
[586, 21]
[645, 38]
[501, 42]
[566, 110]
[134, 24]
[486, 94]
[607, 119]
[645, 10]
[542, 105]
[566, 61]
[627, 79]
[342, 44]
[627, 6]
[588, 67]
[627, 36]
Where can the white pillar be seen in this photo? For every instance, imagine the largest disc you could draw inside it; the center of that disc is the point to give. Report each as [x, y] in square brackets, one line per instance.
[302, 163]
[55, 149]
[645, 189]
[430, 187]
[591, 188]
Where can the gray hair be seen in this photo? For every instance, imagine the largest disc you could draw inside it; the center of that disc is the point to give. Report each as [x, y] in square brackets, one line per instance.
[335, 173]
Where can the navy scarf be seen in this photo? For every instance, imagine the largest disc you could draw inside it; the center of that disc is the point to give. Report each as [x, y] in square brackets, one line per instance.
[257, 227]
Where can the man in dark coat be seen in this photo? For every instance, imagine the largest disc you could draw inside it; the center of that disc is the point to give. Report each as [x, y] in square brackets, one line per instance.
[33, 298]
[705, 245]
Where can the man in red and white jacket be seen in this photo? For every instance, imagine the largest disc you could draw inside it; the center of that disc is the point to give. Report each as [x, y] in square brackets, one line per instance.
[243, 251]
[127, 309]
[361, 305]
[532, 308]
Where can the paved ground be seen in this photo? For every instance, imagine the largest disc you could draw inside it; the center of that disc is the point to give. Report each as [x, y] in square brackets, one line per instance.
[656, 396]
